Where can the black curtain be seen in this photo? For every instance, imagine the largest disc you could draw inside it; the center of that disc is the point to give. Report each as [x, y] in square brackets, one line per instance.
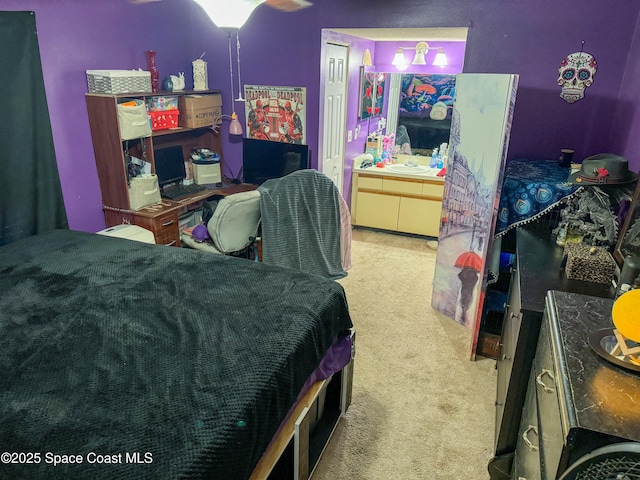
[30, 194]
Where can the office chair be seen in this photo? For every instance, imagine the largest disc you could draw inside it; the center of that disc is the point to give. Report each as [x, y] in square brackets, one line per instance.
[233, 228]
[301, 223]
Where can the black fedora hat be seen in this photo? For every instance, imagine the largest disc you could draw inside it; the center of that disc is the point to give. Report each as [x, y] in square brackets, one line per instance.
[603, 169]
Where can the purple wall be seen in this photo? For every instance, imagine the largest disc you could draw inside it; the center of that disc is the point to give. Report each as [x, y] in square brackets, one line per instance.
[77, 36]
[627, 120]
[527, 38]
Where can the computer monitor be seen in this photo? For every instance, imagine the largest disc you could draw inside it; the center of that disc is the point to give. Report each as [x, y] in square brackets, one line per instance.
[263, 159]
[169, 162]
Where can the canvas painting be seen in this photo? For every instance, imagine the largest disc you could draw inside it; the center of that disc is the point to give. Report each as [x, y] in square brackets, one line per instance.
[481, 124]
[372, 86]
[277, 114]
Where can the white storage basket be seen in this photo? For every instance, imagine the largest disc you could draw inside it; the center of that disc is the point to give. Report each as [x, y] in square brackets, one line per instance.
[119, 81]
[134, 120]
[143, 191]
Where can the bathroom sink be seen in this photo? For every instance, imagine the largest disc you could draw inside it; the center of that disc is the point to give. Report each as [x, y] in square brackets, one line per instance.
[407, 169]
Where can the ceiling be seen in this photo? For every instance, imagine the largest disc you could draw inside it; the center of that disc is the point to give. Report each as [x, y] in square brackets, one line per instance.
[453, 34]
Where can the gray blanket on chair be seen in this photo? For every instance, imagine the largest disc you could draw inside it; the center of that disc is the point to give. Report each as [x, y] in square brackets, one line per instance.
[301, 223]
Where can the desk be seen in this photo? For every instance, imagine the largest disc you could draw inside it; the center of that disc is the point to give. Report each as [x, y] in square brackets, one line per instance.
[576, 402]
[537, 269]
[162, 218]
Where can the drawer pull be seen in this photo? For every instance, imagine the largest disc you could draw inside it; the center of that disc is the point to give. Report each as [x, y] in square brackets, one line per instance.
[525, 437]
[542, 384]
[514, 315]
[166, 224]
[170, 244]
[505, 357]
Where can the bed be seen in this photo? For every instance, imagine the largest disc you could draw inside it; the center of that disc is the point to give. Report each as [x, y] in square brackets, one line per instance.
[127, 360]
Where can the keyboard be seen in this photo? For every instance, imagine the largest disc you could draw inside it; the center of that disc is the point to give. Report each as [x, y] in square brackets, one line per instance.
[179, 191]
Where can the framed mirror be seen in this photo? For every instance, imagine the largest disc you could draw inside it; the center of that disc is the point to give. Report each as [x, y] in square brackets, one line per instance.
[422, 104]
[629, 236]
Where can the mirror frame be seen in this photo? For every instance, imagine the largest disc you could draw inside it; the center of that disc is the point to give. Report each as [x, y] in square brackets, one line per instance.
[632, 215]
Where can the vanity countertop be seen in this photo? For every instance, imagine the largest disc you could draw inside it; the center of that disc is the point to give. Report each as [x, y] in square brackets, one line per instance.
[387, 171]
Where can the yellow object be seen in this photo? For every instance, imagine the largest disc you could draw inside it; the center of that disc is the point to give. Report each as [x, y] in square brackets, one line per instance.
[626, 314]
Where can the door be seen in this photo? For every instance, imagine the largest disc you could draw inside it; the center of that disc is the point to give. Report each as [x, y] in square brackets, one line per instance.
[335, 95]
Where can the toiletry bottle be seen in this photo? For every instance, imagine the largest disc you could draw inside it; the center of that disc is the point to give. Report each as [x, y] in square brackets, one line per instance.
[440, 162]
[434, 158]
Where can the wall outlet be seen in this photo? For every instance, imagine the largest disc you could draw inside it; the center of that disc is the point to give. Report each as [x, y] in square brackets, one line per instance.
[349, 135]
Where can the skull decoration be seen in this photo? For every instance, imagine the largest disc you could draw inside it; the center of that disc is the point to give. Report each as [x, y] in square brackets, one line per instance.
[576, 73]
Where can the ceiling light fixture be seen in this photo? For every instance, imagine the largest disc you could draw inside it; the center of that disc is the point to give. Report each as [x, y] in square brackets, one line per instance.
[421, 49]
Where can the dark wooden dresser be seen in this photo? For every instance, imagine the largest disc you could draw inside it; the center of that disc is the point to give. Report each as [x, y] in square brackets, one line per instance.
[537, 269]
[575, 401]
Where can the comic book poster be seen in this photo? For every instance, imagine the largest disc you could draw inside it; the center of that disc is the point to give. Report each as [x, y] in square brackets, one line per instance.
[277, 114]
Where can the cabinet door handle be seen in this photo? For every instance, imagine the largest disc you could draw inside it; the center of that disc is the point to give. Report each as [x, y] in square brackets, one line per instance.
[514, 315]
[525, 437]
[542, 384]
[170, 244]
[505, 357]
[166, 224]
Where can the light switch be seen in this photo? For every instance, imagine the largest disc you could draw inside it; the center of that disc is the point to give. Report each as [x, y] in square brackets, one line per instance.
[349, 135]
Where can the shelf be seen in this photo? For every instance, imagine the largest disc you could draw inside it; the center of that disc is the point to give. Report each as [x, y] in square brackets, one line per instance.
[163, 93]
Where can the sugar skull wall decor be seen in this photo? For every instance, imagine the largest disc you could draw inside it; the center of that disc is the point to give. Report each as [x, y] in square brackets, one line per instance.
[576, 73]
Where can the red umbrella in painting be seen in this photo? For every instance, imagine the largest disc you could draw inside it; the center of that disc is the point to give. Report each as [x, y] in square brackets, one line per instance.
[470, 264]
[469, 260]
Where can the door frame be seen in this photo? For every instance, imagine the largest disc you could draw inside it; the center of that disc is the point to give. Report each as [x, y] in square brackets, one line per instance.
[323, 78]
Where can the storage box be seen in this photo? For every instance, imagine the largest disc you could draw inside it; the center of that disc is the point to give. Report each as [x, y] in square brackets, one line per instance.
[374, 146]
[118, 81]
[161, 103]
[207, 173]
[164, 119]
[143, 191]
[202, 110]
[133, 120]
[590, 264]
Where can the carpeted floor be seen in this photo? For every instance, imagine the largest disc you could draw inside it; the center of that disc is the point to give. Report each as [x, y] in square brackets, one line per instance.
[421, 409]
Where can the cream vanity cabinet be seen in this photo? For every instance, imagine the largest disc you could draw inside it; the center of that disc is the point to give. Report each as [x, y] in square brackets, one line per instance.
[397, 203]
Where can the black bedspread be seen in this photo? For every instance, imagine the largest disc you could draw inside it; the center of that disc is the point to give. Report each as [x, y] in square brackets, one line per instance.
[145, 361]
